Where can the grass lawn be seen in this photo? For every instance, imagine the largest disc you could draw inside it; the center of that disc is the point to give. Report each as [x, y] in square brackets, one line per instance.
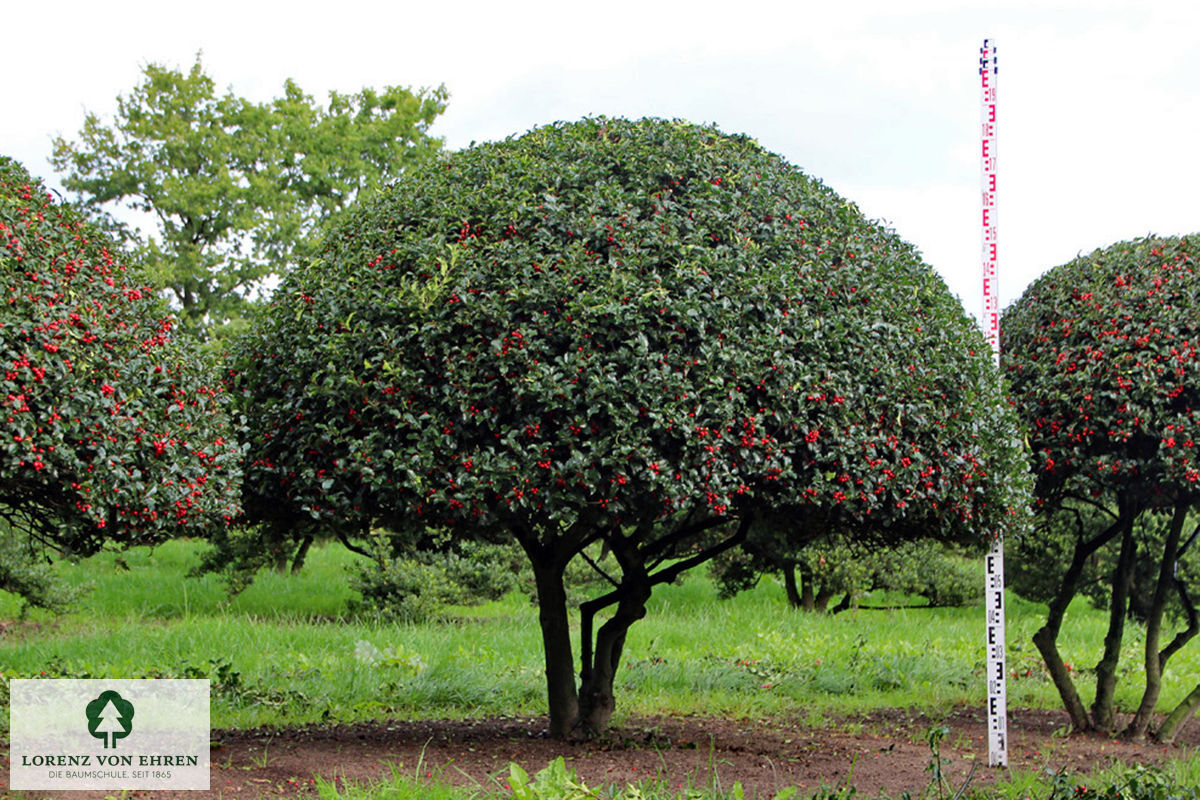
[290, 651]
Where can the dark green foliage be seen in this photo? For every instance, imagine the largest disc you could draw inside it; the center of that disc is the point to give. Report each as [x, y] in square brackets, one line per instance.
[1102, 358]
[111, 431]
[237, 553]
[940, 574]
[1133, 783]
[1036, 563]
[417, 582]
[404, 589]
[944, 576]
[605, 322]
[824, 568]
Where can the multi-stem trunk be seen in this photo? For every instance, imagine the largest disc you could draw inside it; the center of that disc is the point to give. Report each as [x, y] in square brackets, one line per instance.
[1155, 661]
[599, 669]
[638, 555]
[1187, 708]
[1046, 638]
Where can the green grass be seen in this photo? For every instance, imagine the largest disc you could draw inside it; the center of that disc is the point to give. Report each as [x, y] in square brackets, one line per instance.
[289, 651]
[558, 783]
[286, 651]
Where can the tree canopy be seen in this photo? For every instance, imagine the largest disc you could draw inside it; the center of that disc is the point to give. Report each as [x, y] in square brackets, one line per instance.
[650, 334]
[112, 430]
[237, 188]
[1102, 357]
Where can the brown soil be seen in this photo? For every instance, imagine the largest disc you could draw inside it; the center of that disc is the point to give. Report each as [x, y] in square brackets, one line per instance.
[880, 752]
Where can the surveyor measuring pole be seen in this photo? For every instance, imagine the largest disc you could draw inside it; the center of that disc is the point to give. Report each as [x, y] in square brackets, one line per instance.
[994, 577]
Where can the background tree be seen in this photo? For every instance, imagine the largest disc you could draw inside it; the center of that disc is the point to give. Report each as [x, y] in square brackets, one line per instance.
[237, 188]
[1102, 358]
[824, 568]
[647, 335]
[812, 576]
[112, 432]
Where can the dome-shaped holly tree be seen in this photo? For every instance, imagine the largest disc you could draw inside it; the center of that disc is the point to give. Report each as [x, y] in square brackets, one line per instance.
[1103, 357]
[649, 334]
[111, 430]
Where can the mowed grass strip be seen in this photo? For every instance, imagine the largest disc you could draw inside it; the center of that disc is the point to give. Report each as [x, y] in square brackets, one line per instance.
[289, 650]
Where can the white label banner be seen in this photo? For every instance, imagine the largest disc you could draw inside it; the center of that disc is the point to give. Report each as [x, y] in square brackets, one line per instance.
[108, 734]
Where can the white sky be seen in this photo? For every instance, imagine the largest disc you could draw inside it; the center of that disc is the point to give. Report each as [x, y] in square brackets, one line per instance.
[1099, 102]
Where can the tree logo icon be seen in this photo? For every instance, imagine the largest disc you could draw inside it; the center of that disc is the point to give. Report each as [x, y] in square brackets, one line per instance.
[110, 717]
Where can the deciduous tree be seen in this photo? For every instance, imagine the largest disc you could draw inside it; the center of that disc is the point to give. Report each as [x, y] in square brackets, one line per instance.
[236, 188]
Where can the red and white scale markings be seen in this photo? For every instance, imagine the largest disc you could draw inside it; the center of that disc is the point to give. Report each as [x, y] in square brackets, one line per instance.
[997, 687]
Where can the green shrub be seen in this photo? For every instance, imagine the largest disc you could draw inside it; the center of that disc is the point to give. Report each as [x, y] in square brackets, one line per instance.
[24, 574]
[416, 586]
[943, 575]
[1135, 783]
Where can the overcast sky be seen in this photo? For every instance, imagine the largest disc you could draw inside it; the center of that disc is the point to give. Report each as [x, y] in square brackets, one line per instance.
[1099, 101]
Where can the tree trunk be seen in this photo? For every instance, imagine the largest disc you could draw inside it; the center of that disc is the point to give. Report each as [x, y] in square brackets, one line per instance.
[301, 554]
[598, 664]
[1103, 713]
[1179, 717]
[279, 558]
[599, 668]
[1187, 708]
[795, 599]
[821, 603]
[561, 694]
[1046, 637]
[1155, 660]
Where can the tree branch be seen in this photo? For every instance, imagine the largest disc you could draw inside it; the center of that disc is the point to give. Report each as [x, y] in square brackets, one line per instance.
[660, 550]
[596, 567]
[1093, 503]
[670, 573]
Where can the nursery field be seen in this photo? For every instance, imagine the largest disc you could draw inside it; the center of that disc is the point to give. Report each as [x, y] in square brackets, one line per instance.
[311, 696]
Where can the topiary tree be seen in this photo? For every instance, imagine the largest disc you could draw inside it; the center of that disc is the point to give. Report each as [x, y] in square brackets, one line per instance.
[649, 335]
[111, 432]
[1103, 362]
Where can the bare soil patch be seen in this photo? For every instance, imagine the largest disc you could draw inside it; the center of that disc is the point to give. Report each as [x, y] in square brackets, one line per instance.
[881, 752]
